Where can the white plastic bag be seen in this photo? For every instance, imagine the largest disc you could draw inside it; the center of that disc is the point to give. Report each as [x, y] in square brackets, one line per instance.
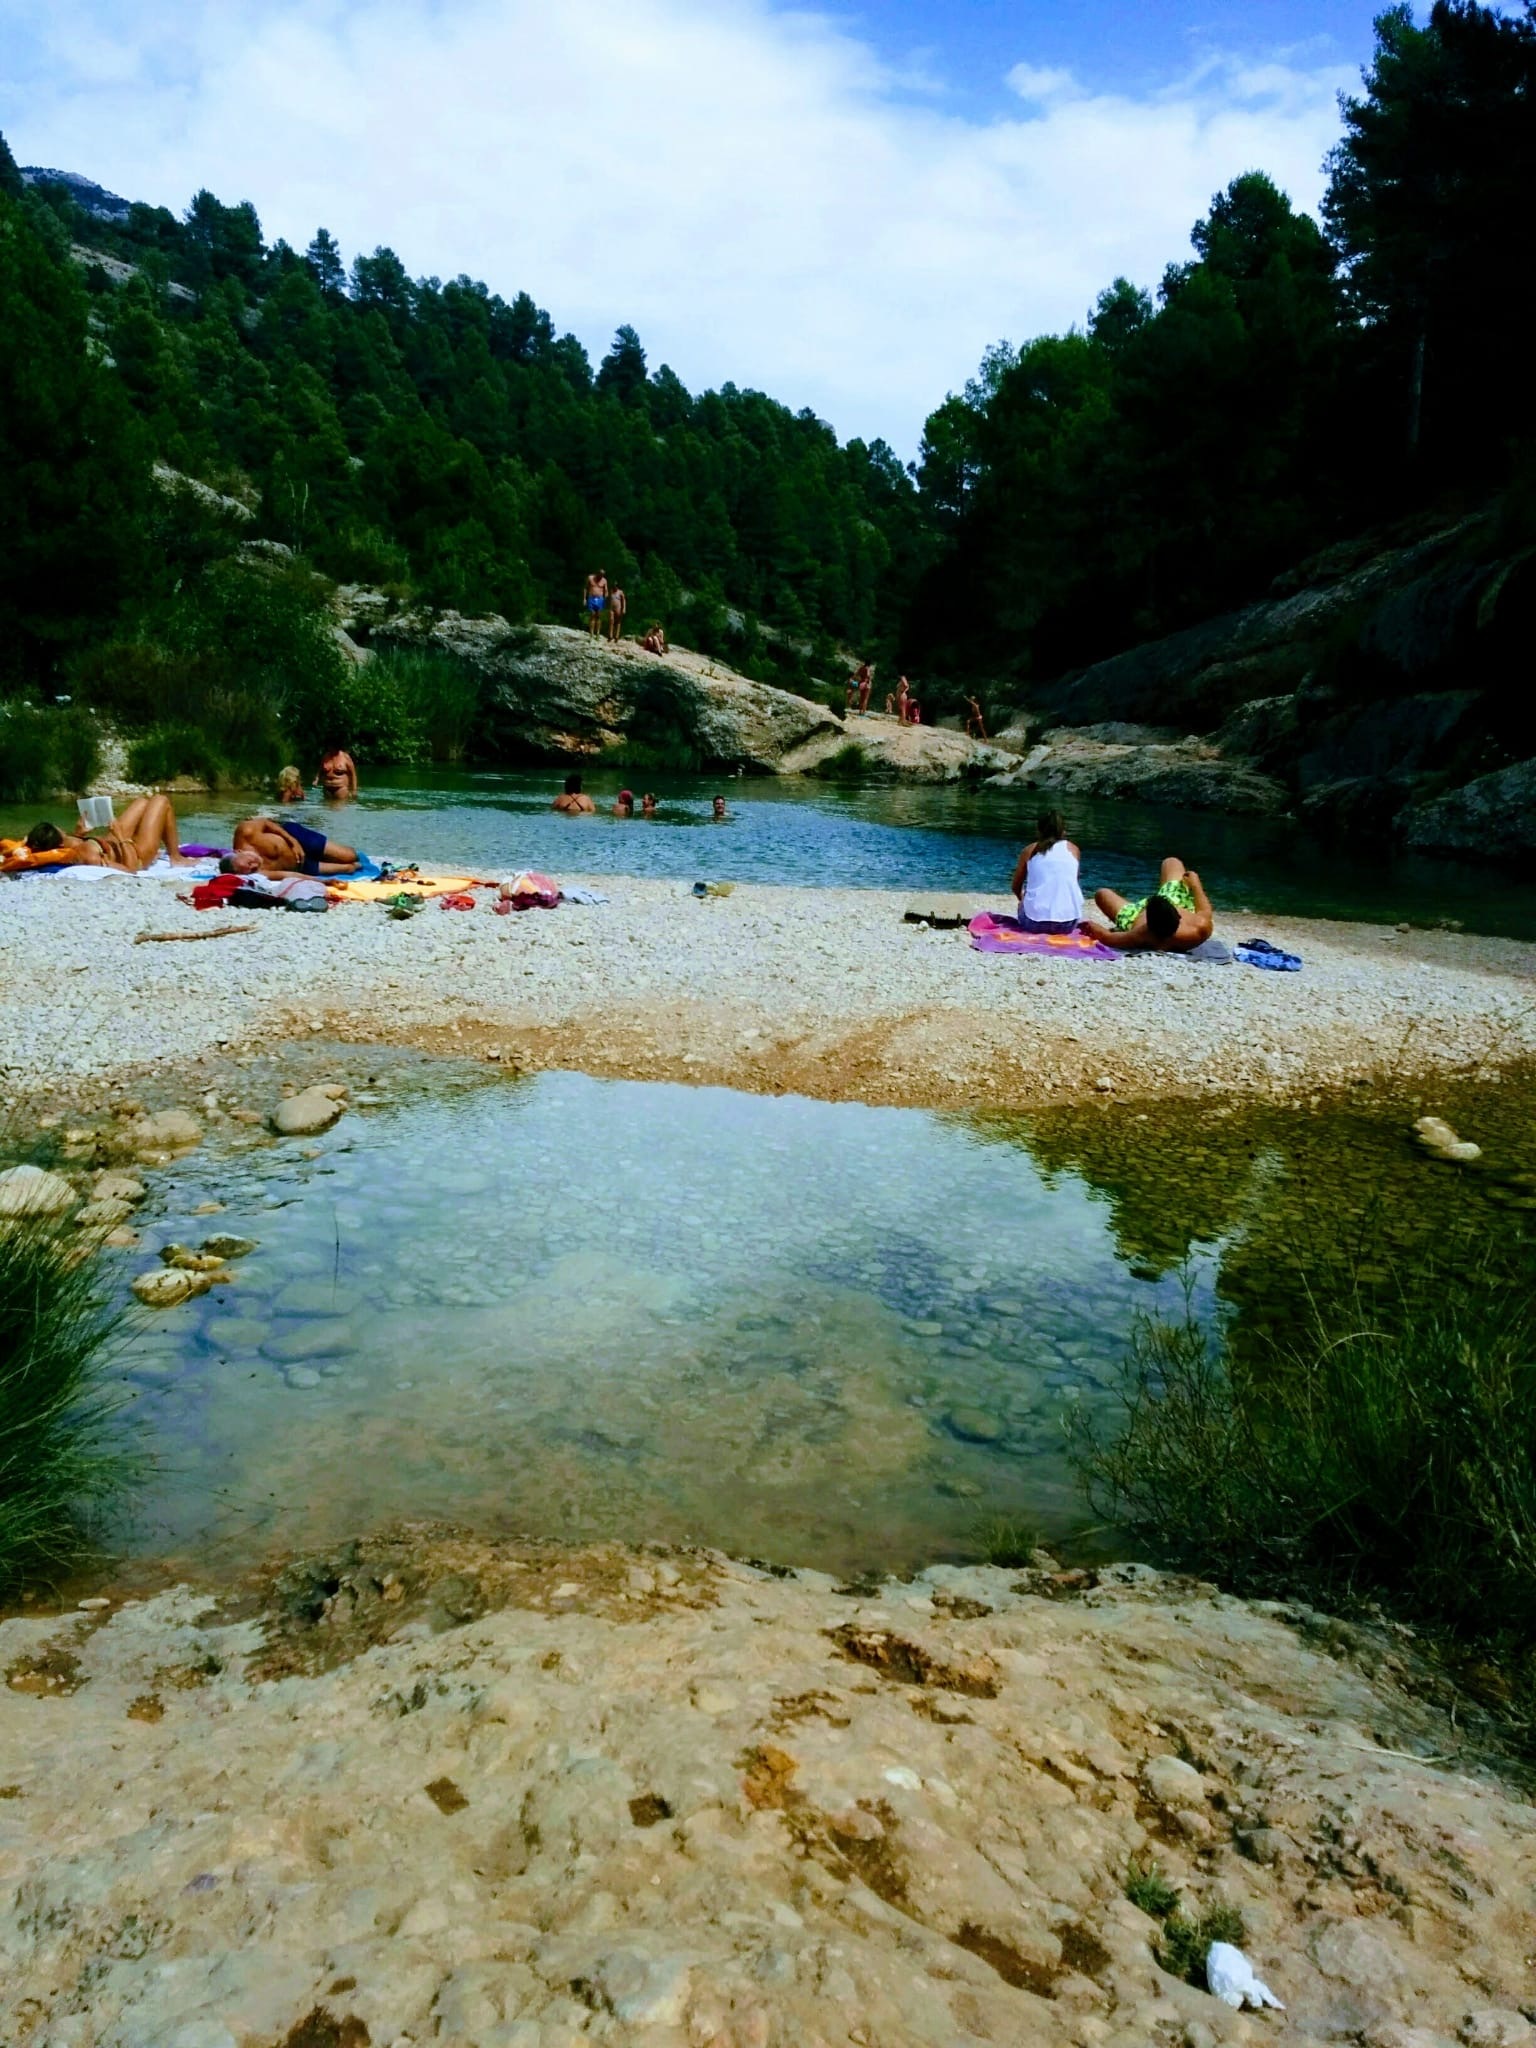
[1230, 1976]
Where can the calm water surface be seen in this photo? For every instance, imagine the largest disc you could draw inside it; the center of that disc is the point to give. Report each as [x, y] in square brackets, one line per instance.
[802, 832]
[820, 1333]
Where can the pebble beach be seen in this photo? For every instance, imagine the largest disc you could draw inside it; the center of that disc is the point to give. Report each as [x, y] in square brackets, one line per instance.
[826, 992]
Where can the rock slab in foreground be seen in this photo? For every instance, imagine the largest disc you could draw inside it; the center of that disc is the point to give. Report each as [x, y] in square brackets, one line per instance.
[615, 1797]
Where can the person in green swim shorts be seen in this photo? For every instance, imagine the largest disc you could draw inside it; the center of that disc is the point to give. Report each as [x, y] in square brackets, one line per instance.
[1175, 918]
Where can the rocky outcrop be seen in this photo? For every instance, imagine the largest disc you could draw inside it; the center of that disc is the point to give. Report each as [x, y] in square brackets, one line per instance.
[1145, 765]
[1493, 817]
[520, 1797]
[1376, 679]
[876, 749]
[557, 694]
[1198, 677]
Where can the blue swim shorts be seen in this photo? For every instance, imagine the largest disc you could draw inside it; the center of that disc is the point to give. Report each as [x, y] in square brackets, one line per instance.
[313, 843]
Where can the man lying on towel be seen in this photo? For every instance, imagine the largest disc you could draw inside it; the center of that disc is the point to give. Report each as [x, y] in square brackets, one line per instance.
[1175, 918]
[271, 847]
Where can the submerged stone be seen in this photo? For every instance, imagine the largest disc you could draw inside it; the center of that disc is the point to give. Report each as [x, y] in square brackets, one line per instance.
[974, 1426]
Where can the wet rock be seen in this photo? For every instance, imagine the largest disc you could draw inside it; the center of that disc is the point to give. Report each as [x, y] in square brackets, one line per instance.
[110, 1186]
[311, 1340]
[310, 1111]
[301, 1376]
[235, 1333]
[226, 1247]
[1174, 1783]
[98, 1215]
[974, 1426]
[33, 1191]
[185, 1260]
[165, 1286]
[169, 1130]
[316, 1298]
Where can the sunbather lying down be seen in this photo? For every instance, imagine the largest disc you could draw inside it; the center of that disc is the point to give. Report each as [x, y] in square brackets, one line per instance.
[146, 829]
[1175, 918]
[271, 847]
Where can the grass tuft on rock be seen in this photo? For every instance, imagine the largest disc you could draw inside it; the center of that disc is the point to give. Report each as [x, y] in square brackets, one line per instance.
[1386, 1448]
[61, 1457]
[1148, 1889]
[1186, 1943]
[1003, 1540]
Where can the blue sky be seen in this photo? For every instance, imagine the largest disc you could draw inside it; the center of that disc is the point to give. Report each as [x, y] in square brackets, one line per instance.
[841, 206]
[1134, 46]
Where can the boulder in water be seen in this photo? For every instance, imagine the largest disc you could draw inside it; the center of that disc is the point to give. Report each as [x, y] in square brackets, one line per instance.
[311, 1110]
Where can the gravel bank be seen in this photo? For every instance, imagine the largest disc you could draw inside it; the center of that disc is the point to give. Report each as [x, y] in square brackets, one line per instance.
[825, 991]
[504, 1798]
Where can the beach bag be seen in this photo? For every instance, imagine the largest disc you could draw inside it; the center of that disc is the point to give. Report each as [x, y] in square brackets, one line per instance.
[531, 891]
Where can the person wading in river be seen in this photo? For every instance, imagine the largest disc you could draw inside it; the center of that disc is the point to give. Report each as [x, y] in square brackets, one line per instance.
[574, 801]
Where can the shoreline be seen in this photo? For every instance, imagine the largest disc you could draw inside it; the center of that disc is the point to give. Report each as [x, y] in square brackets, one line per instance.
[823, 992]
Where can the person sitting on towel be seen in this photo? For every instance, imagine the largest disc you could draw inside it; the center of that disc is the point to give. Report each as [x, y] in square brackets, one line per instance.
[146, 829]
[1175, 918]
[287, 847]
[1045, 878]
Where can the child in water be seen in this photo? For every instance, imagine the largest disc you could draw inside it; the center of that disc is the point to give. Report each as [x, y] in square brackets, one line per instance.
[290, 786]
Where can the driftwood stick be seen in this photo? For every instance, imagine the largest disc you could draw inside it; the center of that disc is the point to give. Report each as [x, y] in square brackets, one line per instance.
[216, 931]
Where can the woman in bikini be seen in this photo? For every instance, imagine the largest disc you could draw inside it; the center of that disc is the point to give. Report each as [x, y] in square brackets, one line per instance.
[132, 842]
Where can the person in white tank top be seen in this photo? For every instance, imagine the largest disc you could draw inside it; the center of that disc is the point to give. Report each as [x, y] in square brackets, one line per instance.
[1045, 879]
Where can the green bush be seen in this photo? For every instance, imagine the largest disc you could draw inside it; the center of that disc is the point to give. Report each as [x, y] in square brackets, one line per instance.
[171, 750]
[44, 750]
[1388, 1447]
[60, 1458]
[849, 764]
[1003, 1540]
[435, 703]
[1148, 1889]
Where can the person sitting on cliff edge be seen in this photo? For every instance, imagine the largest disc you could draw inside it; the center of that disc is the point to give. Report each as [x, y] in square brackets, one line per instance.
[1175, 918]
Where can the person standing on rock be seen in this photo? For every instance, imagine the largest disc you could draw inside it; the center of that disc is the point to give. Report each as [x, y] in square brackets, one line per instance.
[1175, 918]
[903, 700]
[595, 600]
[975, 724]
[574, 801]
[618, 605]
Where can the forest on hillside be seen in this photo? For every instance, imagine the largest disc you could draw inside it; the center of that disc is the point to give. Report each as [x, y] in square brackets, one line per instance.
[201, 433]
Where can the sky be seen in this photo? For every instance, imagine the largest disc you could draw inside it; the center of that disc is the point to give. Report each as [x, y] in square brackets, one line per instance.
[842, 206]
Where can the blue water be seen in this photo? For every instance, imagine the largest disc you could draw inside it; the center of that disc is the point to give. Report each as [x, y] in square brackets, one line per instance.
[586, 1309]
[804, 833]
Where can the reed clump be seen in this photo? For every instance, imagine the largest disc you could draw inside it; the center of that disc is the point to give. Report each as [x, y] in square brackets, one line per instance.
[62, 1454]
[1385, 1448]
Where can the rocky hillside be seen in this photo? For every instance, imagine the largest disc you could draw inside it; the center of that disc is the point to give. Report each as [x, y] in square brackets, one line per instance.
[527, 1798]
[1383, 687]
[556, 694]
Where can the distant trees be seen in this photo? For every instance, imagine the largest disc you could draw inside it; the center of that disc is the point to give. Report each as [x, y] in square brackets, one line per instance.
[1104, 486]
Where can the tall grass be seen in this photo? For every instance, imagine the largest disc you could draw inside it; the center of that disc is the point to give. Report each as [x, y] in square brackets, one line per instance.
[60, 1456]
[1387, 1447]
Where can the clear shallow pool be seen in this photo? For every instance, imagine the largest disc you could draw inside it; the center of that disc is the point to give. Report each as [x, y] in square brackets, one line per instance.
[802, 832]
[815, 1332]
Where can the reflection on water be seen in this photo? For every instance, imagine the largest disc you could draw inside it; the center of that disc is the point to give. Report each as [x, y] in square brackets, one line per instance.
[815, 1332]
[574, 1308]
[803, 832]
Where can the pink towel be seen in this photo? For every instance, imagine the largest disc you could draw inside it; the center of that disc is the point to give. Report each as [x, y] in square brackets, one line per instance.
[991, 934]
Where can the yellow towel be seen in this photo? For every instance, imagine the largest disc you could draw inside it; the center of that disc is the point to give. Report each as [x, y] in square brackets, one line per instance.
[416, 884]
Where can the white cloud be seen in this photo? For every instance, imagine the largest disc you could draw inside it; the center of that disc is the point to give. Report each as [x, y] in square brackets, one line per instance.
[750, 188]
